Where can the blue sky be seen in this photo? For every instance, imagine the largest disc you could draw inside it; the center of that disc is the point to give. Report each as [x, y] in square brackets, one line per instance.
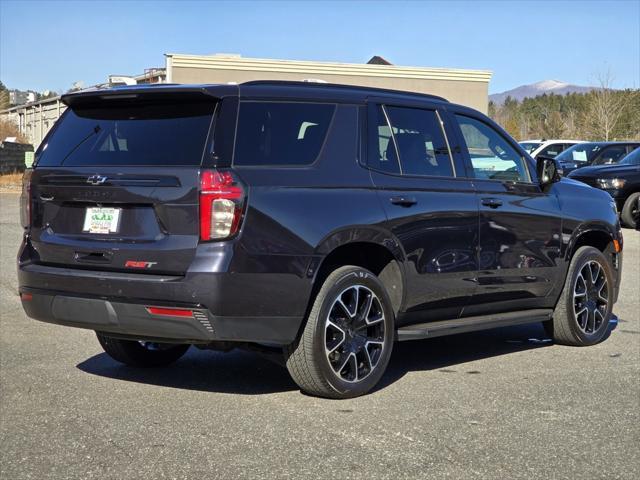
[50, 44]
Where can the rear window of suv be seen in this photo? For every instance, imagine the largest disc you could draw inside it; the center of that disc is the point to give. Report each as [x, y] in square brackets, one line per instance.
[145, 134]
[281, 133]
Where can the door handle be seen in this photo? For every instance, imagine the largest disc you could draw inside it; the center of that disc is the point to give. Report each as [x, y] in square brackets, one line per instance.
[492, 202]
[403, 201]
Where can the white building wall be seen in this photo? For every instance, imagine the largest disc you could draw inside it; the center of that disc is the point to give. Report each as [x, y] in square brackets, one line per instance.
[35, 120]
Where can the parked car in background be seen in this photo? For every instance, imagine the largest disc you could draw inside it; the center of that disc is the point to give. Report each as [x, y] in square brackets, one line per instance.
[594, 153]
[322, 222]
[547, 148]
[621, 180]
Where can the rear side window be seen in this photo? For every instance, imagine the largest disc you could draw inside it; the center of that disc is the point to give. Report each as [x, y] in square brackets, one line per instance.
[161, 134]
[383, 154]
[281, 133]
[411, 143]
[492, 156]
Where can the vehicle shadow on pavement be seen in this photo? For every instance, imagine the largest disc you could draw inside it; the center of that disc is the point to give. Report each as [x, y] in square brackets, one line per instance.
[238, 372]
[449, 354]
[247, 373]
[444, 354]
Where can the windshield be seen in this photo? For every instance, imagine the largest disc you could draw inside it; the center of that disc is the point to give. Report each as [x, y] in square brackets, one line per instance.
[632, 159]
[530, 146]
[581, 153]
[143, 134]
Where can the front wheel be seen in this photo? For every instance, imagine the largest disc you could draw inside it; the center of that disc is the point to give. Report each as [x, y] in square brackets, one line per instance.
[582, 314]
[141, 354]
[345, 346]
[630, 213]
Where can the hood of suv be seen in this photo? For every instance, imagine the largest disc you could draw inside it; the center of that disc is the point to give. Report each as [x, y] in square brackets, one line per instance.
[604, 171]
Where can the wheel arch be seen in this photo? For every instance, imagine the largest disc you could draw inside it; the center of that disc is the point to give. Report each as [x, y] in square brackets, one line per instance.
[601, 236]
[594, 234]
[366, 247]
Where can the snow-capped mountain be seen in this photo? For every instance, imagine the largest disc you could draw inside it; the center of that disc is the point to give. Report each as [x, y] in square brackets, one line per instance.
[538, 88]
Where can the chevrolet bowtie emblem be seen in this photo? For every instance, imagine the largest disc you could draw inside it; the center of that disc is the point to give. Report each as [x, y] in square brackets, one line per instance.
[96, 180]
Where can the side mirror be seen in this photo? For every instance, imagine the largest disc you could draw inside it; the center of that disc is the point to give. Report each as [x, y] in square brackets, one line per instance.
[548, 170]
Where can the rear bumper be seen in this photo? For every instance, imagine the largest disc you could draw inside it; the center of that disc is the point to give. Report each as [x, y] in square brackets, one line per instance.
[233, 297]
[122, 317]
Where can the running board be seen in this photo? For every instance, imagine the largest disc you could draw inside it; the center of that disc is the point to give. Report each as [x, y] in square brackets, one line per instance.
[472, 324]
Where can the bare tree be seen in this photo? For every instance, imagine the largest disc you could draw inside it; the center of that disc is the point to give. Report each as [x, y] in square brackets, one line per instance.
[571, 123]
[553, 125]
[606, 107]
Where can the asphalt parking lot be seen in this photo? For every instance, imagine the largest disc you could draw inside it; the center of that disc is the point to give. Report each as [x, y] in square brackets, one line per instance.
[505, 403]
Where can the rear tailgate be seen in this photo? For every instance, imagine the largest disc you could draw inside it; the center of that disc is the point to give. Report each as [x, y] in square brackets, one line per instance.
[115, 186]
[157, 218]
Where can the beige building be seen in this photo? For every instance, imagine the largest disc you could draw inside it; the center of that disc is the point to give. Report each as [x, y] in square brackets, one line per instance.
[467, 87]
[34, 119]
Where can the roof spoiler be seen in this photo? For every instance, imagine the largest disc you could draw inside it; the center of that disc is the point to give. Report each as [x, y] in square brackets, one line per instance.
[146, 93]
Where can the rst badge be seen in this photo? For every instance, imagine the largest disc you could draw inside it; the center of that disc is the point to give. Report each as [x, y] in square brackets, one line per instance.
[139, 264]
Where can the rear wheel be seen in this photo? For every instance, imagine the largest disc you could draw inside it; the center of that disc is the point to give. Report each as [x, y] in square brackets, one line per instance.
[582, 314]
[630, 214]
[345, 346]
[141, 354]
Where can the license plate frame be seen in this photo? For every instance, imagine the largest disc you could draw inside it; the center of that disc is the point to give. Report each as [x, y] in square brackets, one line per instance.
[102, 220]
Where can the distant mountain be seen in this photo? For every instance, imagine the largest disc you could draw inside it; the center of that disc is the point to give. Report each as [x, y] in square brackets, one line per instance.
[539, 88]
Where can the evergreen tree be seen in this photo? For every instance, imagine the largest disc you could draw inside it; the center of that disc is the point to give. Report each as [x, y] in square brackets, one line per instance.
[4, 97]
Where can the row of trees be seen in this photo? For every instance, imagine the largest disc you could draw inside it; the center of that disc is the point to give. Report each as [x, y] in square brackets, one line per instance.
[602, 114]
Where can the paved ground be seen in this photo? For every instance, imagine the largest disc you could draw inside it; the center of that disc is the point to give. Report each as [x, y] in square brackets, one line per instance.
[499, 404]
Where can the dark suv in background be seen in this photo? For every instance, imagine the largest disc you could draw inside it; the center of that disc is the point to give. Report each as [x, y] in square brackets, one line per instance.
[621, 181]
[594, 153]
[323, 221]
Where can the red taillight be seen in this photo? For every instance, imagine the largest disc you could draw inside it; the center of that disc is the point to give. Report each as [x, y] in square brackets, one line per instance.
[170, 312]
[221, 204]
[26, 297]
[25, 199]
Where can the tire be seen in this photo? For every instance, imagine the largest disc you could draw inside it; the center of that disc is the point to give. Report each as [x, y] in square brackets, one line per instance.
[141, 354]
[570, 326]
[629, 213]
[343, 352]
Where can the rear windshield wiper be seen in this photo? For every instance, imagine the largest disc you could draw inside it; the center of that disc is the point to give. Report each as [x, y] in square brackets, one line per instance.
[95, 131]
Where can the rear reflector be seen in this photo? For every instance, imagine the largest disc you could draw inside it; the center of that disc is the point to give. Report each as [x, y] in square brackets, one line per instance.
[170, 312]
[26, 297]
[25, 199]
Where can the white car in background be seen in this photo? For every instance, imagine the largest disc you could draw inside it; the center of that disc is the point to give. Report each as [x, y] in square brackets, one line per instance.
[548, 148]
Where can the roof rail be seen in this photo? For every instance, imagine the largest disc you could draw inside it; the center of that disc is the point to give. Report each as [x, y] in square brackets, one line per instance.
[307, 84]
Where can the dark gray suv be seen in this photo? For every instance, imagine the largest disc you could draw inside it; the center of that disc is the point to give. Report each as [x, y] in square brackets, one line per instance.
[324, 222]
